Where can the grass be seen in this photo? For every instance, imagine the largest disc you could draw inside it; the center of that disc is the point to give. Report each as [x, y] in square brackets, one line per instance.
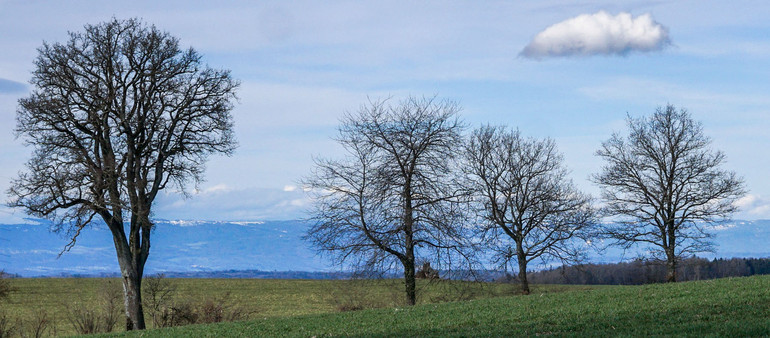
[259, 298]
[724, 307]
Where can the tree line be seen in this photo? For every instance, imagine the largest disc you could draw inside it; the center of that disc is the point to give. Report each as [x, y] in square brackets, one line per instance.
[120, 112]
[640, 271]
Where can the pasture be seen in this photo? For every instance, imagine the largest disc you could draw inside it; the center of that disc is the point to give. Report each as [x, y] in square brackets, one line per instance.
[60, 299]
[722, 307]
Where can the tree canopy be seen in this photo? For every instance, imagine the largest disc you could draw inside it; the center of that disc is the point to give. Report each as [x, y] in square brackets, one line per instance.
[118, 113]
[663, 185]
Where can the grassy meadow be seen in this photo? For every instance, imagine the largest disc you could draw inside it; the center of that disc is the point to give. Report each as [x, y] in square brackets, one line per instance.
[723, 307]
[60, 298]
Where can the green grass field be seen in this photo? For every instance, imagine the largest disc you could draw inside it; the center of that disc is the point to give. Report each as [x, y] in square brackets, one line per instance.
[257, 298]
[725, 307]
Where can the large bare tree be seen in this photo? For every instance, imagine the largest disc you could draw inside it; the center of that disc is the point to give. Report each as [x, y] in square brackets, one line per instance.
[530, 208]
[118, 113]
[394, 198]
[663, 186]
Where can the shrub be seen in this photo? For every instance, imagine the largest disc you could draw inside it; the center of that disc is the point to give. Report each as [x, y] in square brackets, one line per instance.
[102, 319]
[7, 325]
[207, 311]
[157, 299]
[111, 300]
[41, 325]
[165, 312]
[84, 321]
[5, 285]
[356, 294]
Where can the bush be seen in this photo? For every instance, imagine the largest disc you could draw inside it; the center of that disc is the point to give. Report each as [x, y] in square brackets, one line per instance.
[357, 294]
[41, 325]
[157, 299]
[5, 285]
[102, 319]
[159, 303]
[110, 295]
[7, 325]
[85, 321]
[205, 312]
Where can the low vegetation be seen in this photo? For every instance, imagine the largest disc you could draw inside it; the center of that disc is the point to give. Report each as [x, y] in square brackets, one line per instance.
[5, 286]
[66, 306]
[723, 307]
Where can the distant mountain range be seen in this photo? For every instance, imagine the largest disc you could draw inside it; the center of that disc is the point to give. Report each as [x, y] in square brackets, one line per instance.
[201, 248]
[178, 246]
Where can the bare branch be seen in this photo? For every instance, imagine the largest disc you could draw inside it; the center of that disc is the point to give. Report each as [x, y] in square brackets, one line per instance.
[661, 181]
[530, 208]
[118, 112]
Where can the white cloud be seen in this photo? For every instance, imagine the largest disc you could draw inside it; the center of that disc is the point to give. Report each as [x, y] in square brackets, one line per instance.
[289, 188]
[215, 189]
[237, 204]
[753, 206]
[746, 201]
[598, 33]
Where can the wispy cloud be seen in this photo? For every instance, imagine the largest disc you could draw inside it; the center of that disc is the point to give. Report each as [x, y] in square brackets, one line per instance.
[753, 206]
[598, 34]
[236, 204]
[8, 86]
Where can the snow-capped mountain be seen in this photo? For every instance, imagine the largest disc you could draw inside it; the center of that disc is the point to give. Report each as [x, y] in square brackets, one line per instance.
[31, 250]
[187, 246]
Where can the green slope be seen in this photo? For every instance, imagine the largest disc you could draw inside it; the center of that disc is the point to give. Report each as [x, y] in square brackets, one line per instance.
[725, 307]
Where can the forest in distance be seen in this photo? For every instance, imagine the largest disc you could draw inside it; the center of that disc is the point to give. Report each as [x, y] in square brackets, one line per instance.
[638, 271]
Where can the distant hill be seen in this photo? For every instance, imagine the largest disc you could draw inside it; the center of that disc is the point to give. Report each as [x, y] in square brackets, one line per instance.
[178, 246]
[222, 249]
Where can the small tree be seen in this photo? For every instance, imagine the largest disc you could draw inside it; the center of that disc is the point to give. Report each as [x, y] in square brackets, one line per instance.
[663, 185]
[394, 198]
[118, 113]
[530, 208]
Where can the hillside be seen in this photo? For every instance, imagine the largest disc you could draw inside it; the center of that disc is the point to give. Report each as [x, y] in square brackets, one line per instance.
[724, 307]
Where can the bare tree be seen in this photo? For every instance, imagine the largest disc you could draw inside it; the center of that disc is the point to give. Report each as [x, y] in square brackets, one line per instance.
[530, 209]
[394, 198]
[118, 113]
[663, 185]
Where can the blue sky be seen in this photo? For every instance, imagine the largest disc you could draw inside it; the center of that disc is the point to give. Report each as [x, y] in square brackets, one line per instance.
[304, 63]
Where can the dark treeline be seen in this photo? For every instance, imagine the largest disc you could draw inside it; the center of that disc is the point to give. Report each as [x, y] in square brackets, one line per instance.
[644, 272]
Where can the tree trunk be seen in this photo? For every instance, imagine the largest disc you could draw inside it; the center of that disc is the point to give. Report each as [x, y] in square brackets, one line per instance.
[131, 272]
[523, 282]
[410, 282]
[671, 259]
[132, 290]
[672, 265]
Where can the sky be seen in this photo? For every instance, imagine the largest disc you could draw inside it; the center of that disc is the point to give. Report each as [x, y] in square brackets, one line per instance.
[568, 70]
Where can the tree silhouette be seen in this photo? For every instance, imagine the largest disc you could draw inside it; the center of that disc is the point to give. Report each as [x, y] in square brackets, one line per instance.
[394, 197]
[663, 185]
[118, 113]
